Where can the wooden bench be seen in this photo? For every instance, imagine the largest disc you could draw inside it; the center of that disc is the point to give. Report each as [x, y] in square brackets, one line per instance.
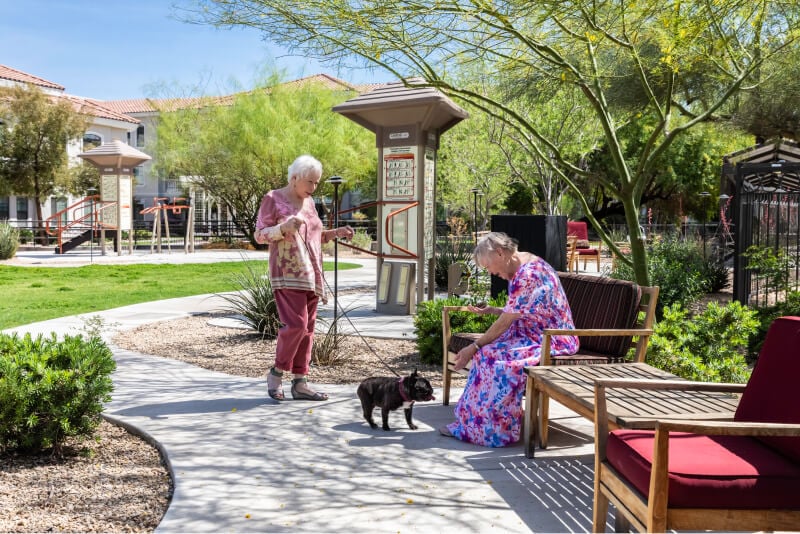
[608, 314]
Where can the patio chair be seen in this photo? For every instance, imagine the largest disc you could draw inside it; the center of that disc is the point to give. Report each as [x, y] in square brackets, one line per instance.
[585, 248]
[742, 474]
[572, 253]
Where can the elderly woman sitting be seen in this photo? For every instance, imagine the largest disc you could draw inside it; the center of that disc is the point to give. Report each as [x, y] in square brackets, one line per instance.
[489, 412]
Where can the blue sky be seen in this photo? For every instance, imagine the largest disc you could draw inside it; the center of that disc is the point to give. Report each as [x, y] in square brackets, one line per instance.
[120, 49]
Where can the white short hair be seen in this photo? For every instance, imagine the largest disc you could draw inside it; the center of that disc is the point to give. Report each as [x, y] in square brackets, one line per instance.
[492, 242]
[303, 166]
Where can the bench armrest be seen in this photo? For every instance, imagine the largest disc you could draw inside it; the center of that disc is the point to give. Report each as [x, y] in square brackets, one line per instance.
[598, 332]
[446, 331]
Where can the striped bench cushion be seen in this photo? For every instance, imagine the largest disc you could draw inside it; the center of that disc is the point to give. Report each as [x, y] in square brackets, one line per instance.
[601, 302]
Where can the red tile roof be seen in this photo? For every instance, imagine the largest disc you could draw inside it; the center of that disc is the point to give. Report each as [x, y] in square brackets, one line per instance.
[144, 105]
[147, 105]
[14, 75]
[96, 109]
[329, 82]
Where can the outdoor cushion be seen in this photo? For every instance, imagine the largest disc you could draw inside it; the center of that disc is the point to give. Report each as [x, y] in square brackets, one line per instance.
[462, 339]
[589, 298]
[710, 471]
[578, 228]
[771, 395]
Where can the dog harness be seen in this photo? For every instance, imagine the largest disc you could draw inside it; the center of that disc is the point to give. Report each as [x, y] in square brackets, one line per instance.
[403, 391]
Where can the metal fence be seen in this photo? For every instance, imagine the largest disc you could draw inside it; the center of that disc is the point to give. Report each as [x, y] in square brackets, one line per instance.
[766, 221]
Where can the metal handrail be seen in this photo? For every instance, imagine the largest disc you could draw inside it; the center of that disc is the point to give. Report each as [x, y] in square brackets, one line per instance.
[389, 241]
[77, 217]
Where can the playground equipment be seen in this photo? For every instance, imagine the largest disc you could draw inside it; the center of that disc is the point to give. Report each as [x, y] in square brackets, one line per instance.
[161, 208]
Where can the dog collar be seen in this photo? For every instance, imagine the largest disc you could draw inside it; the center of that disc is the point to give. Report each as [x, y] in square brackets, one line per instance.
[403, 391]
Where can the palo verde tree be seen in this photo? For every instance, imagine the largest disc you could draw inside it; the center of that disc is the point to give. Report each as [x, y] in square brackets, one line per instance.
[34, 132]
[239, 149]
[677, 63]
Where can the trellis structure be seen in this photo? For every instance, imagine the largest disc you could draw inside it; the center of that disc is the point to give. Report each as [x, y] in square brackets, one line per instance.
[763, 182]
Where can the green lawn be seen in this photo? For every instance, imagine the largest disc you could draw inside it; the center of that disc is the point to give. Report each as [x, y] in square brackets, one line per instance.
[31, 294]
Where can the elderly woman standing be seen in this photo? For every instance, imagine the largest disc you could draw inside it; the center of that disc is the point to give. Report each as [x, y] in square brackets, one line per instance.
[288, 222]
[489, 412]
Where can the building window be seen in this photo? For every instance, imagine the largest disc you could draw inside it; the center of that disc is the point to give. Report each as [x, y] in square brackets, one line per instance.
[22, 208]
[4, 214]
[91, 141]
[140, 135]
[58, 204]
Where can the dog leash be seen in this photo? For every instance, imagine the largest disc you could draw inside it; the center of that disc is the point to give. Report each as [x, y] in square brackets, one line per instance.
[344, 313]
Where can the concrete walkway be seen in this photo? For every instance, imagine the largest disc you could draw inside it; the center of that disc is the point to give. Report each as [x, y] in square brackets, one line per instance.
[242, 462]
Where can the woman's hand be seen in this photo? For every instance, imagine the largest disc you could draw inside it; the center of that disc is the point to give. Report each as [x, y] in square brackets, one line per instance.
[344, 232]
[464, 356]
[482, 309]
[291, 225]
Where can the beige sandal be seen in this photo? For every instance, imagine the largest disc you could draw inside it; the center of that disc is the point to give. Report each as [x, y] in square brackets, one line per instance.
[302, 395]
[275, 384]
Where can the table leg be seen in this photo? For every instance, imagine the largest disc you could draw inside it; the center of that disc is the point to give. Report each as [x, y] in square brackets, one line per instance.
[544, 419]
[531, 416]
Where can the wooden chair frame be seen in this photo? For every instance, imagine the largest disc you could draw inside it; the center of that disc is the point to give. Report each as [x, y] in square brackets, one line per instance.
[449, 358]
[653, 514]
[572, 254]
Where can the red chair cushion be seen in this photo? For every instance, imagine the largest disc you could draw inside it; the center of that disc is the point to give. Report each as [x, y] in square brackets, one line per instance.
[771, 395]
[579, 229]
[588, 252]
[710, 471]
[588, 298]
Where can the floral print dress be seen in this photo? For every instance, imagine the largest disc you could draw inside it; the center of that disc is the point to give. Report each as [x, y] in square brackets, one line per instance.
[489, 412]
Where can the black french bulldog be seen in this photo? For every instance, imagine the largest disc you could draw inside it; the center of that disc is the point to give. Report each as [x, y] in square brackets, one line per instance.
[390, 393]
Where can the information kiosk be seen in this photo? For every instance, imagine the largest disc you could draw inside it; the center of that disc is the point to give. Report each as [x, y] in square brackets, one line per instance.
[408, 123]
[116, 161]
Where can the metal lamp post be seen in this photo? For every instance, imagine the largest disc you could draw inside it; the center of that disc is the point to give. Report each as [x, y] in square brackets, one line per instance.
[721, 247]
[336, 181]
[475, 192]
[705, 195]
[90, 192]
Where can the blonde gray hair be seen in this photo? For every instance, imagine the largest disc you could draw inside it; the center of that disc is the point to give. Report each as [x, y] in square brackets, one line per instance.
[304, 166]
[492, 242]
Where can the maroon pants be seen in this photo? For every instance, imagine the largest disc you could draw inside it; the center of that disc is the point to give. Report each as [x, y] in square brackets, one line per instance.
[298, 312]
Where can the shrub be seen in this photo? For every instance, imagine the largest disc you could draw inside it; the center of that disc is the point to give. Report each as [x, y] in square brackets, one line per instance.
[790, 306]
[428, 324]
[715, 274]
[450, 250]
[9, 241]
[25, 236]
[708, 347]
[51, 390]
[677, 267]
[255, 301]
[361, 239]
[770, 265]
[326, 349]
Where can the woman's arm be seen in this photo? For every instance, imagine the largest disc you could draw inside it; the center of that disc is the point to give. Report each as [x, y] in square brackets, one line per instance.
[269, 226]
[343, 232]
[500, 325]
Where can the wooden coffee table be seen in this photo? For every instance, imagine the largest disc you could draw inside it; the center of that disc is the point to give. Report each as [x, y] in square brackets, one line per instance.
[573, 386]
